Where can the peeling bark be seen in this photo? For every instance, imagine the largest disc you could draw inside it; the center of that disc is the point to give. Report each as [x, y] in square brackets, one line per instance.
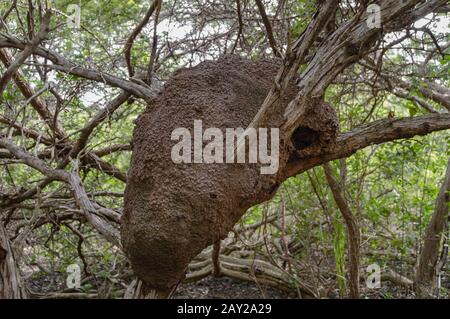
[11, 286]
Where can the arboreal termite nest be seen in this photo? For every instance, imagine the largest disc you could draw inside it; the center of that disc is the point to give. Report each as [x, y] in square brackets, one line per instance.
[173, 211]
[317, 131]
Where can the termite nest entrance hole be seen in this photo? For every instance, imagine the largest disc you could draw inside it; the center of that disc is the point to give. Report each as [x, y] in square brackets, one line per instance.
[304, 137]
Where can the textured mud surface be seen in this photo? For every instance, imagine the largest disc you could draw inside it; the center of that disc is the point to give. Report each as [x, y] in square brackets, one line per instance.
[317, 131]
[173, 211]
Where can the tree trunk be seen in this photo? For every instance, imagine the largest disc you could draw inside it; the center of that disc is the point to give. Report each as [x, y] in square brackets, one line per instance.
[352, 231]
[428, 266]
[11, 286]
[138, 289]
[215, 259]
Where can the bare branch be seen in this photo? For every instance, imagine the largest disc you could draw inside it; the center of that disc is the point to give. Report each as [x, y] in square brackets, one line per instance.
[269, 30]
[354, 237]
[63, 65]
[27, 51]
[89, 210]
[135, 33]
[95, 121]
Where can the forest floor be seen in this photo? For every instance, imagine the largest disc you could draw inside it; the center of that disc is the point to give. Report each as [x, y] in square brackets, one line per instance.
[212, 288]
[227, 288]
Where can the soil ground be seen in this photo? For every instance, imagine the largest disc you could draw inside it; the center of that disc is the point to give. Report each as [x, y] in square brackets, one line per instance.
[227, 288]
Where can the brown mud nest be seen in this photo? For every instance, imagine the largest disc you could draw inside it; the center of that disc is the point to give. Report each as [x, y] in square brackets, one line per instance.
[173, 211]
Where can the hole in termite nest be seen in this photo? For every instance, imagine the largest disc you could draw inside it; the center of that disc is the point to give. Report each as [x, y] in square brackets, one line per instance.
[304, 137]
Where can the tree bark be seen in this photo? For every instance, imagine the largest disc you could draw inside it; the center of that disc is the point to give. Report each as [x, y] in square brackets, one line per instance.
[11, 285]
[428, 268]
[354, 239]
[215, 259]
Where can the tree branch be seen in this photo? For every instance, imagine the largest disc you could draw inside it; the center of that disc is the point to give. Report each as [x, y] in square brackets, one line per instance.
[27, 51]
[135, 33]
[424, 281]
[376, 132]
[269, 30]
[354, 237]
[89, 211]
[63, 65]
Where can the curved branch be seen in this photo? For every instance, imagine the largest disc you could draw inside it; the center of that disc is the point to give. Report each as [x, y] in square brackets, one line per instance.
[90, 211]
[135, 33]
[27, 51]
[63, 65]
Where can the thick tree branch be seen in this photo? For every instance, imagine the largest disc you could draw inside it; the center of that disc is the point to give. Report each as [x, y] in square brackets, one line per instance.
[377, 132]
[292, 62]
[349, 43]
[11, 283]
